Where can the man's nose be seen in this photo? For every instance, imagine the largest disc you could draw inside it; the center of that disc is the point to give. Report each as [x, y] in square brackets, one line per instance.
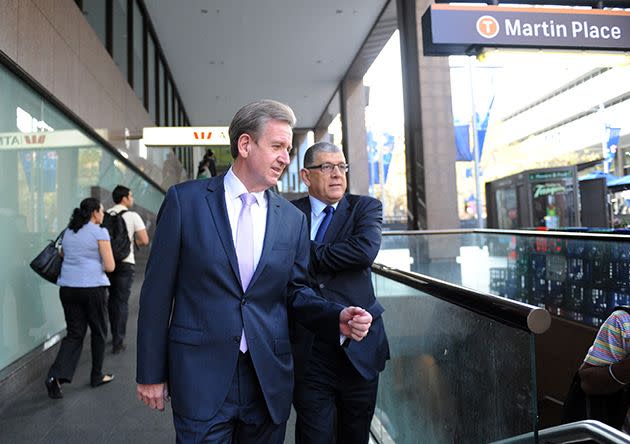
[284, 157]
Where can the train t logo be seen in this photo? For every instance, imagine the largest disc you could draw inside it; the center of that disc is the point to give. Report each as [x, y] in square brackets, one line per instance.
[487, 26]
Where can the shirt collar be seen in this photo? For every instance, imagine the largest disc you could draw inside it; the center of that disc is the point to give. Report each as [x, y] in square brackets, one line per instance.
[234, 188]
[317, 206]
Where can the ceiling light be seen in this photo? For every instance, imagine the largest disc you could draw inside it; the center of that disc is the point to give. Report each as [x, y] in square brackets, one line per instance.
[204, 11]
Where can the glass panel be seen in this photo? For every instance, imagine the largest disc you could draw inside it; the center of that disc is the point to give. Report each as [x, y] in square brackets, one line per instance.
[47, 166]
[94, 12]
[168, 104]
[162, 93]
[577, 279]
[446, 381]
[119, 36]
[151, 81]
[138, 33]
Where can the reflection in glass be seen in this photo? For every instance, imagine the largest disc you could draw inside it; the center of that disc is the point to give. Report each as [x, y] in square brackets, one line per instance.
[45, 171]
[119, 35]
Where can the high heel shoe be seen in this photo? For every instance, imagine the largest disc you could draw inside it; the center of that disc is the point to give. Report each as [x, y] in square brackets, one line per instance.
[54, 388]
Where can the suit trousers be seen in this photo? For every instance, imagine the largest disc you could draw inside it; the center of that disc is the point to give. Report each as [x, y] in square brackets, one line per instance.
[82, 307]
[242, 419]
[118, 303]
[334, 403]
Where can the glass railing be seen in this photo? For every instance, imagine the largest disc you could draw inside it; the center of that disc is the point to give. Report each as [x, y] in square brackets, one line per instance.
[462, 365]
[580, 277]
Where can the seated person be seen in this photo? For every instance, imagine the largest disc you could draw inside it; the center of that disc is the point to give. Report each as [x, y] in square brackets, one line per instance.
[606, 367]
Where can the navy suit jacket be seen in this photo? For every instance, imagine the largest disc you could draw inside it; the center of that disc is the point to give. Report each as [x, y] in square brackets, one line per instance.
[193, 309]
[340, 270]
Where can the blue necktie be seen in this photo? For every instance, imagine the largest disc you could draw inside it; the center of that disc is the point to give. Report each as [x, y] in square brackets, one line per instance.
[321, 231]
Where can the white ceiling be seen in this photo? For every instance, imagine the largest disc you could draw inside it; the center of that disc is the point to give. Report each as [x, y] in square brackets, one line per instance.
[294, 51]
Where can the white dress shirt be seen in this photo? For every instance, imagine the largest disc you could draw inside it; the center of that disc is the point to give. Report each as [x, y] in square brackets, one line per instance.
[233, 189]
[317, 217]
[317, 214]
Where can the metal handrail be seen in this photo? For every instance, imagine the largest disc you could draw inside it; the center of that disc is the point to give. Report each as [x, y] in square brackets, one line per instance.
[529, 233]
[512, 313]
[571, 433]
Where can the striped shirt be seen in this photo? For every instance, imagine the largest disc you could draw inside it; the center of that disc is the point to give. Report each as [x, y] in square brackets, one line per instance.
[612, 344]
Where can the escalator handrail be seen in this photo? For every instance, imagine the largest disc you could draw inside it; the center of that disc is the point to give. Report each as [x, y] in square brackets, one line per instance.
[512, 313]
[573, 432]
[529, 233]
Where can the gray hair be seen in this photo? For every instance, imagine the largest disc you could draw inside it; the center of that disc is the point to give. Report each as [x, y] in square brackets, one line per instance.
[252, 118]
[319, 147]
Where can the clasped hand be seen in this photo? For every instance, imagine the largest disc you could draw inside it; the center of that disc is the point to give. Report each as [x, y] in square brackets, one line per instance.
[354, 322]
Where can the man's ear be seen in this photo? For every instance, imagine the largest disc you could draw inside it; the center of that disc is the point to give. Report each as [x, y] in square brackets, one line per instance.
[304, 175]
[244, 145]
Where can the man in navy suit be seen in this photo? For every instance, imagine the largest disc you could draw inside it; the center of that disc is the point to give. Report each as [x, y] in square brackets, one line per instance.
[227, 270]
[336, 384]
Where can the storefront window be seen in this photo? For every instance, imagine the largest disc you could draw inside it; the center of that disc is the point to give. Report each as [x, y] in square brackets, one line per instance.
[94, 12]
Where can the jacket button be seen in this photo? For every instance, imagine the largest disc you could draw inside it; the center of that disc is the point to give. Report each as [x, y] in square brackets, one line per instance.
[243, 301]
[322, 286]
[237, 339]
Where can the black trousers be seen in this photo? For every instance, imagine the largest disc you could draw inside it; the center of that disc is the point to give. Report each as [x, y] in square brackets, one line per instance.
[242, 419]
[333, 402]
[118, 303]
[81, 307]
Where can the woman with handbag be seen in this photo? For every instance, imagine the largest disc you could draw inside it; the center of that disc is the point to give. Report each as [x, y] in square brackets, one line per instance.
[87, 256]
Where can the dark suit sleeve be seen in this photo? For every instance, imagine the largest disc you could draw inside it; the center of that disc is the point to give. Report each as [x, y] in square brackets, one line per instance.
[357, 251]
[305, 306]
[156, 296]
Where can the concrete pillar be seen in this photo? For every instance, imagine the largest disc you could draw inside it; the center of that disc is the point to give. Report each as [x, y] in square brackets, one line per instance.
[354, 134]
[429, 134]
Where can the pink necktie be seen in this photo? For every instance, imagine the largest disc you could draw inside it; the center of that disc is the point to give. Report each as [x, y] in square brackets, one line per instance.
[245, 248]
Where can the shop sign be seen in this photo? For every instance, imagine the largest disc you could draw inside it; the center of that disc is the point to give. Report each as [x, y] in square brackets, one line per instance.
[185, 136]
[550, 175]
[44, 140]
[460, 29]
[546, 189]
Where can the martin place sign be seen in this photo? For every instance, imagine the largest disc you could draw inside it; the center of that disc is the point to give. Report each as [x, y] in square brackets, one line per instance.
[449, 29]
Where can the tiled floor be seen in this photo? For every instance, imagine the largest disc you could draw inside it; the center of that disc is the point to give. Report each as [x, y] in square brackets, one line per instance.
[107, 414]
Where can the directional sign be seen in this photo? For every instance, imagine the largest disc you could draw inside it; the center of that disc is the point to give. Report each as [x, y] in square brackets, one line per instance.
[456, 29]
[185, 136]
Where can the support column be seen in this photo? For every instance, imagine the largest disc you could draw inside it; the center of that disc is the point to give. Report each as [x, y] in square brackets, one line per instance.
[429, 136]
[354, 134]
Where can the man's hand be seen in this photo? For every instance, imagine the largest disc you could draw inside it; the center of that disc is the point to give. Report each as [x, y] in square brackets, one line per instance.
[153, 395]
[354, 322]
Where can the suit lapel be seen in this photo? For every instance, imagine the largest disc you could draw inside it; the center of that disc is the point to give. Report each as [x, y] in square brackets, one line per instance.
[340, 217]
[218, 210]
[271, 233]
[304, 205]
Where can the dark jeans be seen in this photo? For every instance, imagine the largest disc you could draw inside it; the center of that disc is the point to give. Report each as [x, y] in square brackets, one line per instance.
[118, 304]
[81, 307]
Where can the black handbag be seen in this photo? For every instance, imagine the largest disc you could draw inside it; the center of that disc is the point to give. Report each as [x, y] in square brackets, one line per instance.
[610, 409]
[47, 264]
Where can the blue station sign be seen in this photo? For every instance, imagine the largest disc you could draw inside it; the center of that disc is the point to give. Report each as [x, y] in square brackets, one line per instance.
[460, 29]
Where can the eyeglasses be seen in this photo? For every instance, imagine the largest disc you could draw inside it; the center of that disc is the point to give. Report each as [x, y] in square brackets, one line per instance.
[328, 168]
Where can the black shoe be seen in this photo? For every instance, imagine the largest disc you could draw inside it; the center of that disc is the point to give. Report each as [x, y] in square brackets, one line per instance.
[54, 388]
[105, 379]
[119, 348]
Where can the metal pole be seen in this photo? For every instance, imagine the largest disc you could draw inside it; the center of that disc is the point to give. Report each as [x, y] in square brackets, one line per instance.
[476, 159]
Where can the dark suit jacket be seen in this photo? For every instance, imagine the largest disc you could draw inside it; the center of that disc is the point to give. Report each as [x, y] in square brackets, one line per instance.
[340, 270]
[192, 307]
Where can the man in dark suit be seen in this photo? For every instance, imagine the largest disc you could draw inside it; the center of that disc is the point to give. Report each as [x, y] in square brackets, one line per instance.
[227, 270]
[336, 384]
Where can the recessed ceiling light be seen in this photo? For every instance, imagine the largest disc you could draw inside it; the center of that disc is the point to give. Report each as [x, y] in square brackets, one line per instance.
[204, 11]
[212, 62]
[339, 11]
[318, 61]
